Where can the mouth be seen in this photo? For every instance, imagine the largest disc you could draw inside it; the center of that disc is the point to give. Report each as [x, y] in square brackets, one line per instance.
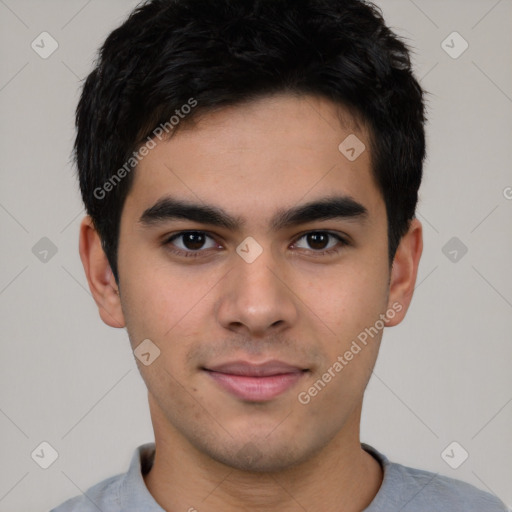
[255, 382]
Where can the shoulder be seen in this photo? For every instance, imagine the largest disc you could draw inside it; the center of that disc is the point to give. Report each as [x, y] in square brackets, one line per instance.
[103, 496]
[444, 492]
[120, 493]
[414, 490]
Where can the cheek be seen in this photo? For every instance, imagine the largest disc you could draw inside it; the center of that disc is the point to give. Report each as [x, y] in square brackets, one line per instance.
[346, 299]
[163, 303]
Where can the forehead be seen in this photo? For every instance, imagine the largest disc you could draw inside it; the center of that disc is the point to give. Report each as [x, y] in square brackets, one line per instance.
[256, 158]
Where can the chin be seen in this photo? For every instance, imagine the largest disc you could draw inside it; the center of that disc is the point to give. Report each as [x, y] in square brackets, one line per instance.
[261, 456]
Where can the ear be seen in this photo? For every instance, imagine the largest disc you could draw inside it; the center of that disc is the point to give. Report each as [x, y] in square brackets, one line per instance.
[404, 271]
[101, 280]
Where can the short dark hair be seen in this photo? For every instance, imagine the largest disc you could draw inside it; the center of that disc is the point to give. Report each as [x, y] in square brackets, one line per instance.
[170, 53]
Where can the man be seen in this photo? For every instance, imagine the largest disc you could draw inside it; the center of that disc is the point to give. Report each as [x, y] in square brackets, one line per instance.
[250, 171]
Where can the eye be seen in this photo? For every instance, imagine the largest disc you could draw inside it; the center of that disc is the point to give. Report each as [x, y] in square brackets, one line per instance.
[322, 242]
[197, 243]
[188, 243]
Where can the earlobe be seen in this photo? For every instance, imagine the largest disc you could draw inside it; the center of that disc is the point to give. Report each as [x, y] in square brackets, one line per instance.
[404, 272]
[99, 275]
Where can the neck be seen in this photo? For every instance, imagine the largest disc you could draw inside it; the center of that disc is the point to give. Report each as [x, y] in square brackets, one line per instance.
[342, 477]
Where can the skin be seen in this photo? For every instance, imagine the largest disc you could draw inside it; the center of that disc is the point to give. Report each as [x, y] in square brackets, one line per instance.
[215, 451]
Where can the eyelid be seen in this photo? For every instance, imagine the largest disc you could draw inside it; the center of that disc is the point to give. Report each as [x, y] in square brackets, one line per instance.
[170, 238]
[340, 236]
[342, 241]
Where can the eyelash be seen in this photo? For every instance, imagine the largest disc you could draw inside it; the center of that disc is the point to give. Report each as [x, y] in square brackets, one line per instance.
[195, 254]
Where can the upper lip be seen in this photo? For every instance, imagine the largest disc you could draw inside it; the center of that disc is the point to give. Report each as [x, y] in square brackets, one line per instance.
[245, 368]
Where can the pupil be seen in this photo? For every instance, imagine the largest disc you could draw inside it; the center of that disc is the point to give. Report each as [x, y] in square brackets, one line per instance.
[315, 239]
[193, 240]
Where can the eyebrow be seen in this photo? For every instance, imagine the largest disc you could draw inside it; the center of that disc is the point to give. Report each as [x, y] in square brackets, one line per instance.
[335, 207]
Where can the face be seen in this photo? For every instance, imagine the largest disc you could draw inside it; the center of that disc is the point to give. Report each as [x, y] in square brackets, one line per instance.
[256, 304]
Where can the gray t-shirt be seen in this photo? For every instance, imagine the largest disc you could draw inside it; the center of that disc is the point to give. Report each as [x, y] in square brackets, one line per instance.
[403, 489]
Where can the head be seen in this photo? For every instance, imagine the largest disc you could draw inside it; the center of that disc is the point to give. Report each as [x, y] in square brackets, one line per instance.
[230, 120]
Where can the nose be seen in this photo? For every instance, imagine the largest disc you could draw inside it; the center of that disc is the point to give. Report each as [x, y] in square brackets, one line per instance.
[256, 299]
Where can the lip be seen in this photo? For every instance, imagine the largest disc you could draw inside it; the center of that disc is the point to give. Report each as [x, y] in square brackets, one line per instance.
[255, 382]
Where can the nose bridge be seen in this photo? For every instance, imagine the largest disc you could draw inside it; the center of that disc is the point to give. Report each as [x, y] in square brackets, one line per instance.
[257, 297]
[255, 274]
[258, 277]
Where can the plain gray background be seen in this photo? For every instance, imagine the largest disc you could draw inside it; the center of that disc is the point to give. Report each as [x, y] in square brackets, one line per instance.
[442, 376]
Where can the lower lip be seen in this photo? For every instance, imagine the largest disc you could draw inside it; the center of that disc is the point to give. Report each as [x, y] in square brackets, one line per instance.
[256, 389]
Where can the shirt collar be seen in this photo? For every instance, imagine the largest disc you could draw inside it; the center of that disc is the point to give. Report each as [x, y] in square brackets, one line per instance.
[133, 493]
